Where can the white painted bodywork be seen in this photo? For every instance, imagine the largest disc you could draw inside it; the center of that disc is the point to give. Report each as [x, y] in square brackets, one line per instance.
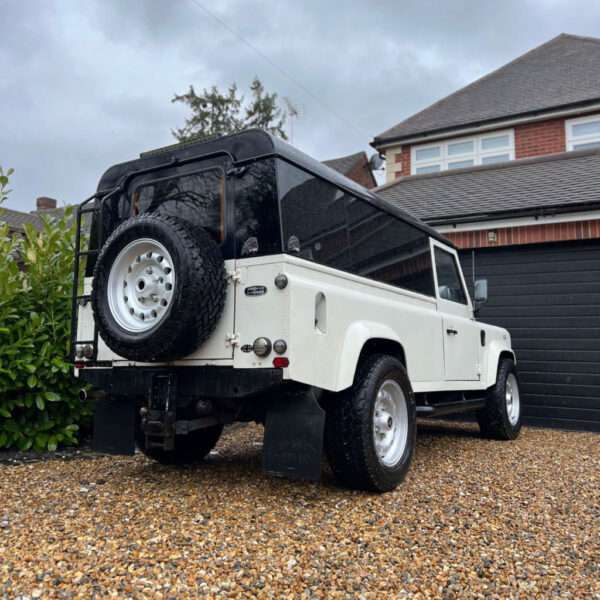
[326, 316]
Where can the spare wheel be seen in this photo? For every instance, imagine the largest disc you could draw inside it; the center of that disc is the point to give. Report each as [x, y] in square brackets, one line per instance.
[158, 288]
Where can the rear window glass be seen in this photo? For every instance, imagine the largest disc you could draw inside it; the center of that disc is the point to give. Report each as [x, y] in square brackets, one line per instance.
[198, 198]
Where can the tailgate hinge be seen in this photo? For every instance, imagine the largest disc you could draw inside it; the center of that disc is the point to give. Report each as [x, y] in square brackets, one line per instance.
[234, 276]
[233, 339]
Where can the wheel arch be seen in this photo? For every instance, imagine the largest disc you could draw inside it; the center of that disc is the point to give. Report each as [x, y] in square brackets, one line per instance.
[362, 339]
[497, 353]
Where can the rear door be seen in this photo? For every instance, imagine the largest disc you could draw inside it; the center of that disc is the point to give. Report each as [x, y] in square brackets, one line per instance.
[460, 332]
[198, 193]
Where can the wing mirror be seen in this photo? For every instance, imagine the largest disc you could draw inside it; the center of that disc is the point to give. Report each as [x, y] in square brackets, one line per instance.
[481, 293]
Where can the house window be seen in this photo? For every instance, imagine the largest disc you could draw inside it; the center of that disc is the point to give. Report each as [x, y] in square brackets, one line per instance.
[462, 153]
[584, 133]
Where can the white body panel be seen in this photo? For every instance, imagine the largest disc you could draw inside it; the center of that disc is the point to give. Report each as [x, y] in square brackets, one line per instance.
[326, 316]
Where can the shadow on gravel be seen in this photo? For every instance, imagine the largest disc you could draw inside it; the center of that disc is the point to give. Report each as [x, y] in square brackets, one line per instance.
[236, 463]
[457, 429]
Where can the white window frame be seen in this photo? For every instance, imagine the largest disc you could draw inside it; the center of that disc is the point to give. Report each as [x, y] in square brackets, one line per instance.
[477, 155]
[572, 140]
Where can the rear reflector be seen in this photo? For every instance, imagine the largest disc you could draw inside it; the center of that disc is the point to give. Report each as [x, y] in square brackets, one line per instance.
[281, 362]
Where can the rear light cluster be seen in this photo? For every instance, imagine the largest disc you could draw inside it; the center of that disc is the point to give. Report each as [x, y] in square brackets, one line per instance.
[262, 347]
[86, 351]
[281, 362]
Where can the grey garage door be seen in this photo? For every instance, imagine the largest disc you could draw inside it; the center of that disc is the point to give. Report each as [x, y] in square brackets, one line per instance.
[548, 297]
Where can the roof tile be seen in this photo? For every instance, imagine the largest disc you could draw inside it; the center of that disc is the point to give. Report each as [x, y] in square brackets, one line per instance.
[563, 71]
[548, 182]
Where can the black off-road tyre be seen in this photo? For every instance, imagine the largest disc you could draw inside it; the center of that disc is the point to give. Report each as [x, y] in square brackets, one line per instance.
[349, 427]
[493, 418]
[189, 449]
[198, 296]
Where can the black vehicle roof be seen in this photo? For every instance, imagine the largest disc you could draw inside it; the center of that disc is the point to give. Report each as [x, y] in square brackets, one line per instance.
[250, 145]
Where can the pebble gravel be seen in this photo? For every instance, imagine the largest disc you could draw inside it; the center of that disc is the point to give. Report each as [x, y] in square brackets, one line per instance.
[473, 519]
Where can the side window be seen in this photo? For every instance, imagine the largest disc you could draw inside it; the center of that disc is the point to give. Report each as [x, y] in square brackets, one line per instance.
[313, 214]
[387, 249]
[256, 211]
[449, 283]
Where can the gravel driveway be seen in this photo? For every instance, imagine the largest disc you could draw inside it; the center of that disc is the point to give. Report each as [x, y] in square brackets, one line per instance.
[473, 519]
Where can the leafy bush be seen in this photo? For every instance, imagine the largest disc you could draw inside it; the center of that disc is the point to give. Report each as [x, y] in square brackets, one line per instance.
[4, 184]
[39, 397]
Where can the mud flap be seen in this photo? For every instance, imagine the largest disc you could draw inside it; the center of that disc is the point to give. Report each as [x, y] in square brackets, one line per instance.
[293, 441]
[114, 426]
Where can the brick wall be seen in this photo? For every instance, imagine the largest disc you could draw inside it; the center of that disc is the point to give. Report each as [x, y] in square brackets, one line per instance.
[397, 163]
[537, 139]
[362, 174]
[531, 234]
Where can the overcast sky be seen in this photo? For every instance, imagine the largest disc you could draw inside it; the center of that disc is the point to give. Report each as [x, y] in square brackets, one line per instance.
[84, 85]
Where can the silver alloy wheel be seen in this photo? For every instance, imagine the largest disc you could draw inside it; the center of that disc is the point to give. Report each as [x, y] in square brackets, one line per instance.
[141, 285]
[390, 423]
[513, 399]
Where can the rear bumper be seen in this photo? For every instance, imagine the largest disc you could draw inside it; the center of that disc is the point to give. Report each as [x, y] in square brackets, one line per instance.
[202, 381]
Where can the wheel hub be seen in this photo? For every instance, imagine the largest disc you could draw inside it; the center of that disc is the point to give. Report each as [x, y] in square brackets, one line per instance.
[390, 423]
[513, 400]
[141, 285]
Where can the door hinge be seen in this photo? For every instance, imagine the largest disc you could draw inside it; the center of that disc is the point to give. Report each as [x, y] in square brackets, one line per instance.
[233, 339]
[234, 276]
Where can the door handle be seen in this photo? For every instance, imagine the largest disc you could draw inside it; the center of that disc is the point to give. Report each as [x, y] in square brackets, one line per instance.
[451, 331]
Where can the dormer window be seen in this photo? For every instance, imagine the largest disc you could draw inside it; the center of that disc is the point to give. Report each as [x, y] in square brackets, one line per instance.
[583, 134]
[495, 147]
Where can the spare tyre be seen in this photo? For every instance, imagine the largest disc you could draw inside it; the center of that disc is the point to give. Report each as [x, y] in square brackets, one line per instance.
[158, 288]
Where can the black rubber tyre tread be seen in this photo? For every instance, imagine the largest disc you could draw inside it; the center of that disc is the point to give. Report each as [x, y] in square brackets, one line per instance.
[189, 449]
[348, 427]
[493, 417]
[199, 291]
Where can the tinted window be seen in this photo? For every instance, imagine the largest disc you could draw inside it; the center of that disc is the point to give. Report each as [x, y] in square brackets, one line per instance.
[389, 250]
[197, 198]
[449, 283]
[313, 217]
[256, 211]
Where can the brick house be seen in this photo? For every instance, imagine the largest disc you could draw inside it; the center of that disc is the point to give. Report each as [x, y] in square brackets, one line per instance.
[16, 219]
[508, 168]
[356, 167]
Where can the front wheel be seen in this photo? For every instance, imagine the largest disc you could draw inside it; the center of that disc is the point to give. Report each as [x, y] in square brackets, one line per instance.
[370, 430]
[500, 418]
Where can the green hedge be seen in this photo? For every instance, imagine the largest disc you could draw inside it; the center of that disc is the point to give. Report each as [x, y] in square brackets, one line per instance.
[39, 397]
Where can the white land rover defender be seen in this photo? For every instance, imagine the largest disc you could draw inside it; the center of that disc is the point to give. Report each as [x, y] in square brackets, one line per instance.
[237, 279]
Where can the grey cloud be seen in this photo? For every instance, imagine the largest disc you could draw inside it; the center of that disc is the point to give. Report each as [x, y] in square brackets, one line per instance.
[85, 85]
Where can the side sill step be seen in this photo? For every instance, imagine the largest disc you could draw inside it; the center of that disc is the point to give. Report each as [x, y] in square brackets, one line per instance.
[449, 408]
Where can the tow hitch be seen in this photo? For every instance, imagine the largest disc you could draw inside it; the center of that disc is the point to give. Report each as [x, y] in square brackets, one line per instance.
[159, 417]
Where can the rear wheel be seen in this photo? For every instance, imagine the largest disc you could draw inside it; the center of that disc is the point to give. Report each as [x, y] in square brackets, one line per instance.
[189, 449]
[370, 430]
[500, 418]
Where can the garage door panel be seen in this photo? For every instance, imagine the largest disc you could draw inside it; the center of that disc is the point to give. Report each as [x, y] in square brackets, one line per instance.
[538, 253]
[558, 356]
[545, 377]
[548, 297]
[540, 321]
[543, 310]
[575, 368]
[541, 289]
[568, 333]
[536, 268]
[558, 412]
[559, 389]
[542, 298]
[564, 401]
[560, 344]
